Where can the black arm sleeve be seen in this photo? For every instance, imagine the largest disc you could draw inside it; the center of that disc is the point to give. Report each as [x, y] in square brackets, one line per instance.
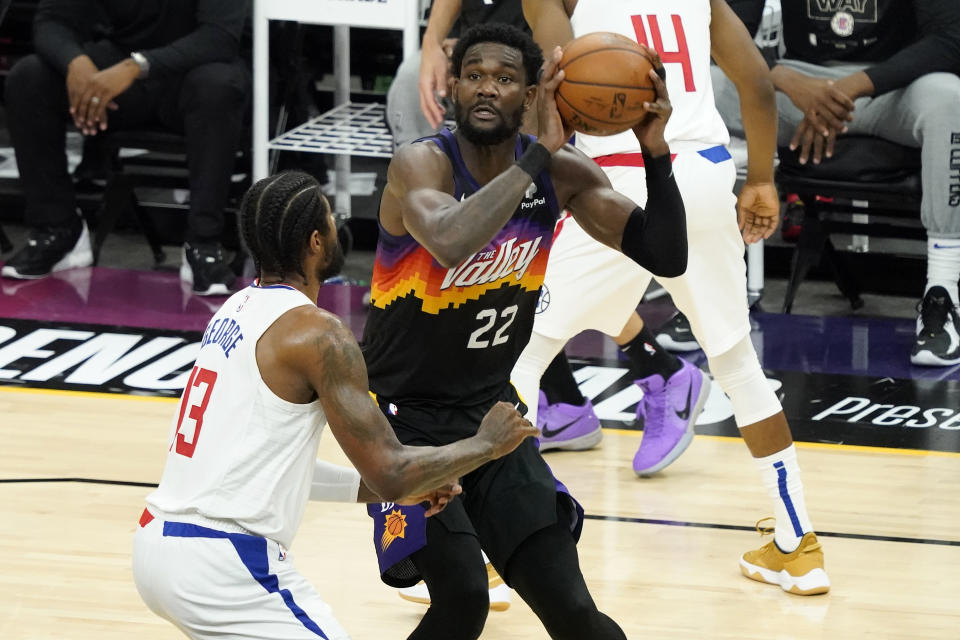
[216, 38]
[938, 49]
[656, 239]
[60, 27]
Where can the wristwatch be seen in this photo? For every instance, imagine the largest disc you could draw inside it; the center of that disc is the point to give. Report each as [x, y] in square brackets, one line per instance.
[142, 62]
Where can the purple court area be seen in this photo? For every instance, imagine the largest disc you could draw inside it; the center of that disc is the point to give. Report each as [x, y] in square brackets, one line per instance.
[876, 347]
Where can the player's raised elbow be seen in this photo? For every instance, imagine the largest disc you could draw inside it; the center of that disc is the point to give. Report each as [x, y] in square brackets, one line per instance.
[449, 258]
[450, 254]
[670, 261]
[673, 267]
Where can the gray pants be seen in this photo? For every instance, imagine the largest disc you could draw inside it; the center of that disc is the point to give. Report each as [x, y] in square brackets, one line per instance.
[404, 116]
[924, 114]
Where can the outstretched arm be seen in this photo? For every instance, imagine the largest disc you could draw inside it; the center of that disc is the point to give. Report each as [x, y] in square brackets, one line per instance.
[327, 356]
[334, 483]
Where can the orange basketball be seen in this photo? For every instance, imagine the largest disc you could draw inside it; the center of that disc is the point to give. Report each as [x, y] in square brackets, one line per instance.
[605, 85]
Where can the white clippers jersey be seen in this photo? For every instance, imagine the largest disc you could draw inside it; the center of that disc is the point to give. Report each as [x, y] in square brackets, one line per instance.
[679, 30]
[237, 452]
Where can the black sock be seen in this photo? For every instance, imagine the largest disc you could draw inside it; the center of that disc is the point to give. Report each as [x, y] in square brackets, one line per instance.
[648, 357]
[558, 383]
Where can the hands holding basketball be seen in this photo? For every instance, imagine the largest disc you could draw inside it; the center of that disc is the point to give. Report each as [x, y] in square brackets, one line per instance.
[553, 132]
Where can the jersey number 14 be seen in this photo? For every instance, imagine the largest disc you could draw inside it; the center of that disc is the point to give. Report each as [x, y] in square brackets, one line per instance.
[681, 56]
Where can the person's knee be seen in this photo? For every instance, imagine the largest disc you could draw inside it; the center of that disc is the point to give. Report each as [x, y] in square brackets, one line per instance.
[940, 95]
[468, 605]
[28, 82]
[216, 88]
[739, 374]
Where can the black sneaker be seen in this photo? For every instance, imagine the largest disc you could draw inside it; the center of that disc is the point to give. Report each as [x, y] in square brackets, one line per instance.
[48, 250]
[676, 335]
[204, 266]
[937, 343]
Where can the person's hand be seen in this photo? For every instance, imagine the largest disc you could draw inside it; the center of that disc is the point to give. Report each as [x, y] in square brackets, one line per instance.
[503, 428]
[434, 74]
[439, 498]
[79, 72]
[758, 211]
[649, 130]
[90, 110]
[553, 132]
[808, 137]
[826, 106]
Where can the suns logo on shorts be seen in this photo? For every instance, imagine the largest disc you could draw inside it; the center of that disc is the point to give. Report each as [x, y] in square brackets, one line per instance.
[394, 527]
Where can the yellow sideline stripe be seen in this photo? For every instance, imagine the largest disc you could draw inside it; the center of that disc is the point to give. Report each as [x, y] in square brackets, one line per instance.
[83, 394]
[818, 445]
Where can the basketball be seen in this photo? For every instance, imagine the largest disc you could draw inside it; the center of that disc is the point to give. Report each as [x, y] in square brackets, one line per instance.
[605, 84]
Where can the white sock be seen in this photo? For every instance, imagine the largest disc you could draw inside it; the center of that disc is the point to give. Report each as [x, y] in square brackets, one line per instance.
[781, 478]
[943, 265]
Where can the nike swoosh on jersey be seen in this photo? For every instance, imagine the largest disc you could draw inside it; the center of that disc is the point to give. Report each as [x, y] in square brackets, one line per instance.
[683, 415]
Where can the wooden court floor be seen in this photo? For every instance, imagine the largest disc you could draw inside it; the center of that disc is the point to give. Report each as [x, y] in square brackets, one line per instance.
[659, 554]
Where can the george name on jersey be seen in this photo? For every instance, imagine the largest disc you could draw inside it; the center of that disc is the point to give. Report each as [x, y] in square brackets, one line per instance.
[224, 332]
[490, 266]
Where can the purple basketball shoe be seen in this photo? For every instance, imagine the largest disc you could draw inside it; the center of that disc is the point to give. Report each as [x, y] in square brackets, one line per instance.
[668, 411]
[567, 426]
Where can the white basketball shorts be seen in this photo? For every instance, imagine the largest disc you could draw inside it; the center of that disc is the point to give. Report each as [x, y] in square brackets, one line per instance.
[212, 583]
[590, 286]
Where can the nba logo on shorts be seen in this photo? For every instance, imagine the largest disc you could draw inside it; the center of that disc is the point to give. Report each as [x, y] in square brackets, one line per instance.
[392, 409]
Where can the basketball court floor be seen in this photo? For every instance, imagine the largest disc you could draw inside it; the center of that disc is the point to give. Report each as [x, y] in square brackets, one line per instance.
[92, 360]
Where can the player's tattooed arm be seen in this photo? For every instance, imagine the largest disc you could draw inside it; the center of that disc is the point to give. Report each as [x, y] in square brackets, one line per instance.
[418, 200]
[335, 368]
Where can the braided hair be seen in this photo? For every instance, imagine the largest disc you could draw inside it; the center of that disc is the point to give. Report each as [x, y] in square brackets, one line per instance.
[277, 217]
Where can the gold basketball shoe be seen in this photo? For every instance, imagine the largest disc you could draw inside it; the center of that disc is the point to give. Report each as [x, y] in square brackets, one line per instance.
[799, 572]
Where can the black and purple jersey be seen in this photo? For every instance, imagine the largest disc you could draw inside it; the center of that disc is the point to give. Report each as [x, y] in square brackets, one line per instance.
[439, 336]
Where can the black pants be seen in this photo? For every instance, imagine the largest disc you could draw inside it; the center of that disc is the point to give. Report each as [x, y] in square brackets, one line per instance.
[544, 570]
[206, 104]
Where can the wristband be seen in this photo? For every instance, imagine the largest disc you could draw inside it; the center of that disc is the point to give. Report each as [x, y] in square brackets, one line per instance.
[534, 160]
